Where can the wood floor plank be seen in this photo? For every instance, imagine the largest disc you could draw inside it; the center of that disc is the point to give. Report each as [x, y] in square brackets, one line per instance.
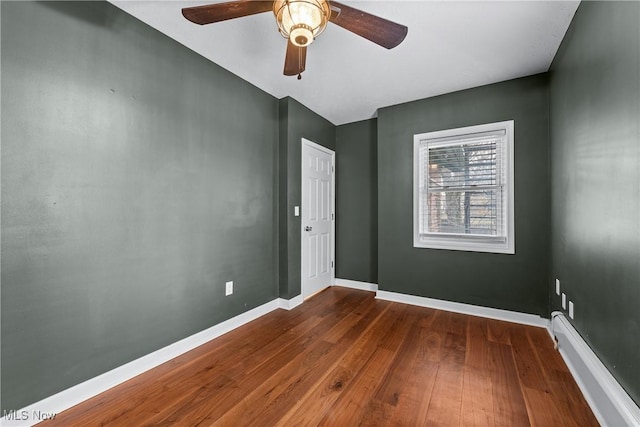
[427, 317]
[549, 358]
[432, 345]
[352, 404]
[458, 323]
[400, 316]
[348, 327]
[570, 401]
[562, 388]
[477, 398]
[392, 389]
[477, 349]
[413, 408]
[542, 410]
[403, 397]
[346, 358]
[401, 370]
[453, 349]
[509, 408]
[528, 366]
[499, 331]
[446, 397]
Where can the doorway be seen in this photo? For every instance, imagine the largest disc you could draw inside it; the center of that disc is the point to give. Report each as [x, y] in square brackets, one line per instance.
[318, 218]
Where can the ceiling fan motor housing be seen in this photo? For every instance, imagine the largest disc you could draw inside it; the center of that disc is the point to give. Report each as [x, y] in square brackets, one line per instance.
[301, 21]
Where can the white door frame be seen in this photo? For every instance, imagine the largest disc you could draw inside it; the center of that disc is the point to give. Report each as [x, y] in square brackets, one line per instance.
[333, 213]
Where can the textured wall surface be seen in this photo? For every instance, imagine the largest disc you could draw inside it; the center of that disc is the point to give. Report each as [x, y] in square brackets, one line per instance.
[513, 282]
[132, 189]
[357, 201]
[595, 158]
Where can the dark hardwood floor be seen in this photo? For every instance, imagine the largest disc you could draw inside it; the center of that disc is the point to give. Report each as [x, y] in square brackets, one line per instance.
[344, 358]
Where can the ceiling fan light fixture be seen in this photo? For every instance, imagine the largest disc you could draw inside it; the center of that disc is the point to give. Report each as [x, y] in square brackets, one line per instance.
[301, 21]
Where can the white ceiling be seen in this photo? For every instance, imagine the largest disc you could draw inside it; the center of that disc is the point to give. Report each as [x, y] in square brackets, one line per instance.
[451, 45]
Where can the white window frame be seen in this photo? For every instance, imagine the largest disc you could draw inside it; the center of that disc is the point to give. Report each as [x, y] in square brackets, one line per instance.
[474, 243]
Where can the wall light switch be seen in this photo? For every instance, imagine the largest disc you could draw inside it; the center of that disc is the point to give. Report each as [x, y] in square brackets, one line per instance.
[557, 286]
[564, 301]
[228, 288]
[296, 210]
[571, 309]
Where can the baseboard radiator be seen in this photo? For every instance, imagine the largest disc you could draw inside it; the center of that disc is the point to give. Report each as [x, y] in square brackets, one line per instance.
[611, 405]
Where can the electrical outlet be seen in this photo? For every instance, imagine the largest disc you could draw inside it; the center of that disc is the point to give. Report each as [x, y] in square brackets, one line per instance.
[296, 210]
[571, 309]
[564, 301]
[557, 286]
[228, 288]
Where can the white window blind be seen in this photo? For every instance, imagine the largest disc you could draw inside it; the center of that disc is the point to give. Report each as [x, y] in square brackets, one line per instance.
[463, 188]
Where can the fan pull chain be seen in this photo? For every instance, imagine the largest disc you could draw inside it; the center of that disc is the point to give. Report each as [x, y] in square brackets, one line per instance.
[300, 62]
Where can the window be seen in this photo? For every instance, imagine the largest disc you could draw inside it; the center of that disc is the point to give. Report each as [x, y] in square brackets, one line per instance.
[463, 189]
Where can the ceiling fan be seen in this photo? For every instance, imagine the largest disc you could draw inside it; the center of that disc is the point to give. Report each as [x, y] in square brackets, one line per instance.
[301, 21]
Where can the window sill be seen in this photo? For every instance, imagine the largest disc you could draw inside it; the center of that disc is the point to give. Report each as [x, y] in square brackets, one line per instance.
[465, 245]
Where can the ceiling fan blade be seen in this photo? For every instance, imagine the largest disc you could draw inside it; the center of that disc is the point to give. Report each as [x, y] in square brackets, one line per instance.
[295, 60]
[222, 11]
[378, 30]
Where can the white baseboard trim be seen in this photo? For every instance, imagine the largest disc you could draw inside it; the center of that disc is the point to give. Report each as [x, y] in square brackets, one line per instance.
[611, 405]
[473, 310]
[290, 304]
[354, 284]
[65, 399]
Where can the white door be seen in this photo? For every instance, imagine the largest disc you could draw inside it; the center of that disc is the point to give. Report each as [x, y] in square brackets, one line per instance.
[317, 217]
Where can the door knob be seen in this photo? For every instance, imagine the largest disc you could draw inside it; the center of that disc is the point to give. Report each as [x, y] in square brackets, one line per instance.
[307, 228]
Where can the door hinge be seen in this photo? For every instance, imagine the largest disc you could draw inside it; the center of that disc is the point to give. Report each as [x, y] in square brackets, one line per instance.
[331, 264]
[332, 217]
[333, 169]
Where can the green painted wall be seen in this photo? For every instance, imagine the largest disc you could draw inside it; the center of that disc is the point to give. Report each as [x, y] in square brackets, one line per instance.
[296, 122]
[595, 204]
[513, 282]
[132, 189]
[357, 201]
